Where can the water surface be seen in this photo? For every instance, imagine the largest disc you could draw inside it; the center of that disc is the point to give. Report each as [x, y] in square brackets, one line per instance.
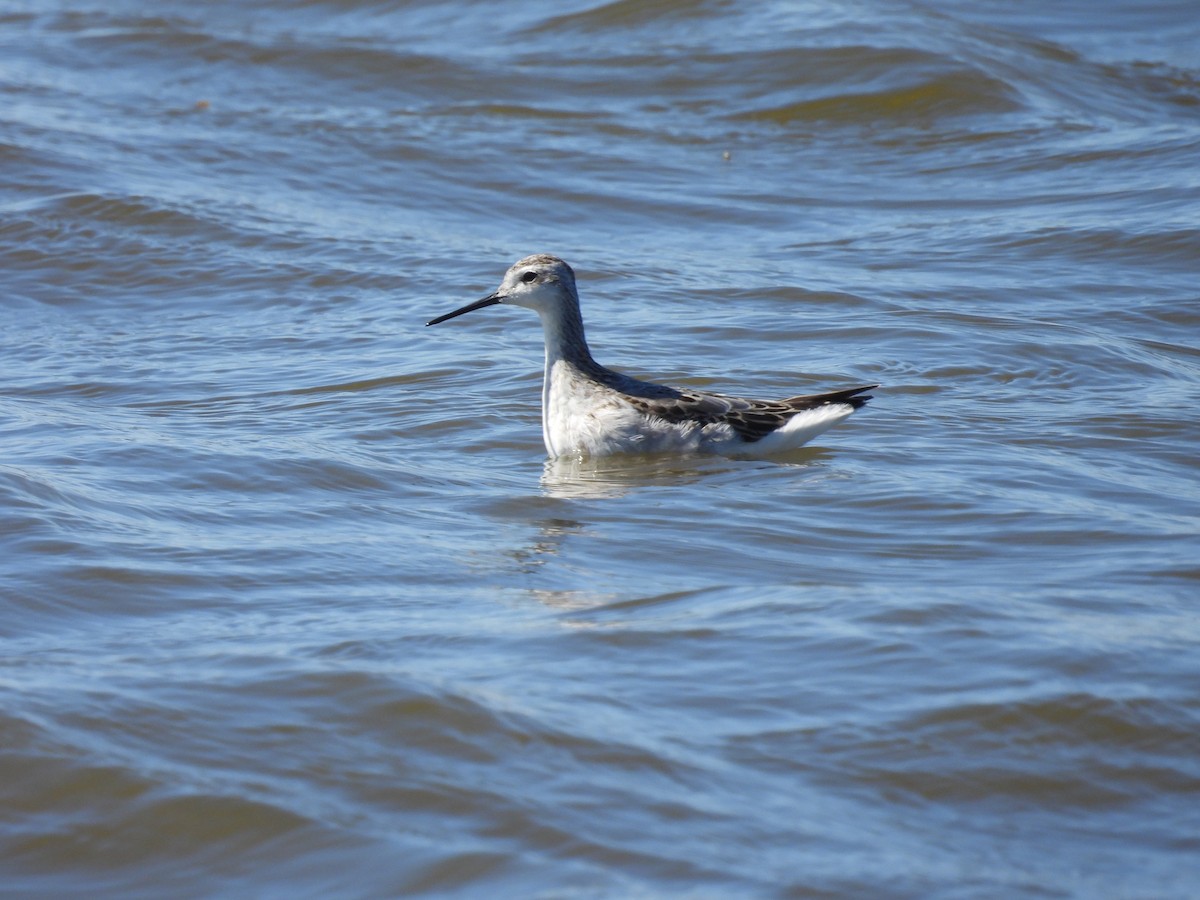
[293, 604]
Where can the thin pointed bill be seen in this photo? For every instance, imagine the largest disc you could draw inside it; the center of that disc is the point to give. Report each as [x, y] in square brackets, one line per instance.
[489, 300]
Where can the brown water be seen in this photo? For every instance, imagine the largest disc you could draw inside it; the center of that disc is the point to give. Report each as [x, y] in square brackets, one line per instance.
[292, 604]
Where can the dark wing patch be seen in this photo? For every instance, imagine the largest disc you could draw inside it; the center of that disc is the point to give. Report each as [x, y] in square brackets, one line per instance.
[751, 419]
[850, 396]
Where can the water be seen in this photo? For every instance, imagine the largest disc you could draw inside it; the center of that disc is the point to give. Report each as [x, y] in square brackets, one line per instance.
[293, 605]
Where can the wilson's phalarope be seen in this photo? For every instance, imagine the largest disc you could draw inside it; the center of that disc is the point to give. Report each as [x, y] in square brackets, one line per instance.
[589, 410]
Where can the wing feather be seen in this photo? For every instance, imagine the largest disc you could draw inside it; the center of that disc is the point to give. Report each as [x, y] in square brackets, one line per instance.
[751, 419]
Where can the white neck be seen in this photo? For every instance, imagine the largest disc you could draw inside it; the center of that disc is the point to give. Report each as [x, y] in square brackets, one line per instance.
[565, 346]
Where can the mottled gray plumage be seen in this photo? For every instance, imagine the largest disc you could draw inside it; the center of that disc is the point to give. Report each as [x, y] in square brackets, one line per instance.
[752, 419]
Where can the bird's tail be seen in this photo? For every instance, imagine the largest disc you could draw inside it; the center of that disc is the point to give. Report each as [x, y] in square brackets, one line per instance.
[850, 396]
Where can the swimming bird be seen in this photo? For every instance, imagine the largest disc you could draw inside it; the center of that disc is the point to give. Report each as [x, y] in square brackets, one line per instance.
[590, 410]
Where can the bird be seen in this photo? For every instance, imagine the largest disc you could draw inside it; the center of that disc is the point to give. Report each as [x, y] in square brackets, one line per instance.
[589, 410]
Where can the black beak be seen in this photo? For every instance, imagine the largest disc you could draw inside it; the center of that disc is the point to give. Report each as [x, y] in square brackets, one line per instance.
[489, 300]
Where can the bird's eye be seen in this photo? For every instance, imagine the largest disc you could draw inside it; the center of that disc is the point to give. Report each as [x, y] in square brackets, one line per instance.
[529, 277]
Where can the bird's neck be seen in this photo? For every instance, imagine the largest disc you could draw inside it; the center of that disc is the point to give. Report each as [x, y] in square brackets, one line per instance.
[568, 362]
[565, 341]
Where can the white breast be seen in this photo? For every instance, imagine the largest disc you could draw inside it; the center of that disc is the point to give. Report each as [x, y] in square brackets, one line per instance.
[580, 417]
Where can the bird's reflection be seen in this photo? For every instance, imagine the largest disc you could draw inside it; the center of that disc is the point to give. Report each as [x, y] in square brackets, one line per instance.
[551, 534]
[567, 480]
[615, 476]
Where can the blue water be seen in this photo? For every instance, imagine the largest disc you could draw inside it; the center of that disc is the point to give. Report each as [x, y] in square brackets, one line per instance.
[293, 603]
